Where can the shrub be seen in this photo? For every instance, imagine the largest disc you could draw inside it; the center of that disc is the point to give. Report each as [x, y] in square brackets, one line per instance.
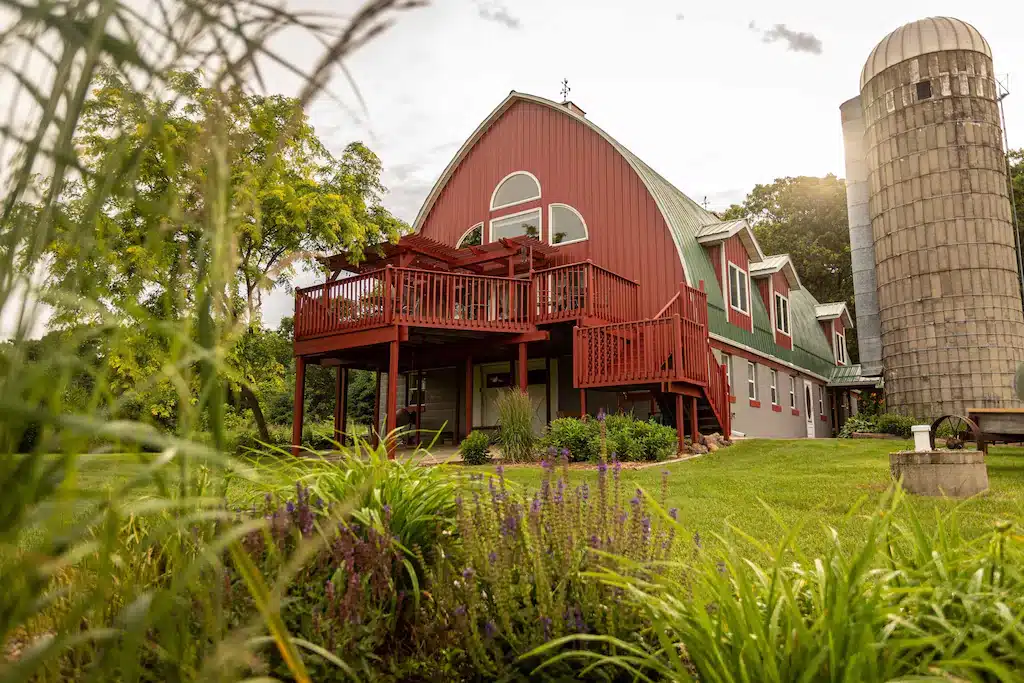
[859, 423]
[581, 440]
[521, 578]
[903, 603]
[631, 439]
[476, 448]
[515, 425]
[899, 425]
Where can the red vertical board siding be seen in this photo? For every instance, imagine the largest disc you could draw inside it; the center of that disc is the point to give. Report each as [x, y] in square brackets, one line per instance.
[781, 286]
[575, 166]
[736, 254]
[826, 327]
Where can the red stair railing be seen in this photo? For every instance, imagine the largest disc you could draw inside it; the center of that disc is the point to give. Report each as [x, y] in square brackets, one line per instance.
[643, 351]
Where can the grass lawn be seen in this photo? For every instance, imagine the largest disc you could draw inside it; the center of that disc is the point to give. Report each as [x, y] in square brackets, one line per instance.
[813, 483]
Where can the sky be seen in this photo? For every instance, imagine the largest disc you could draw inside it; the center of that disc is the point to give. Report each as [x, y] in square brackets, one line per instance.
[717, 97]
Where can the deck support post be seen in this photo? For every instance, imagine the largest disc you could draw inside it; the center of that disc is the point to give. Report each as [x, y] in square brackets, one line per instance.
[419, 407]
[300, 398]
[547, 389]
[583, 404]
[340, 405]
[469, 394]
[523, 376]
[694, 433]
[392, 400]
[375, 431]
[680, 422]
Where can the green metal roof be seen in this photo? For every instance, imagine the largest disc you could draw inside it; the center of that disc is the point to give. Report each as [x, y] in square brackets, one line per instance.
[851, 375]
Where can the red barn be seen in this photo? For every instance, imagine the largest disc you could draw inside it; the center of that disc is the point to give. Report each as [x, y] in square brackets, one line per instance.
[550, 257]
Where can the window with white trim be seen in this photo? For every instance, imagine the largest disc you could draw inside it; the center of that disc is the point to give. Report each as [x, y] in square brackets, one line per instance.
[518, 224]
[821, 400]
[515, 188]
[775, 387]
[840, 348]
[792, 392]
[727, 362]
[782, 314]
[473, 237]
[739, 289]
[751, 381]
[565, 224]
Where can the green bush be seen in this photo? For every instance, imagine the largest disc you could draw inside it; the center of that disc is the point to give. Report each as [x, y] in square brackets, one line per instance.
[476, 448]
[629, 438]
[899, 425]
[515, 426]
[579, 439]
[888, 423]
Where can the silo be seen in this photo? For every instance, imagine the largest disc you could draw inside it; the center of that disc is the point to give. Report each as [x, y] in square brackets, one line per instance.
[949, 302]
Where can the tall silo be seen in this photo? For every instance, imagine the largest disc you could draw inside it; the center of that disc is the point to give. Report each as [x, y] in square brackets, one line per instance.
[948, 286]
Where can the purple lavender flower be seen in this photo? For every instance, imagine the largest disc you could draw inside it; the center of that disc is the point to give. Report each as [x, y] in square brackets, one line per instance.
[387, 509]
[468, 573]
[585, 491]
[500, 470]
[720, 566]
[492, 557]
[510, 525]
[490, 629]
[460, 611]
[290, 506]
[546, 622]
[696, 539]
[646, 524]
[544, 464]
[594, 541]
[565, 453]
[602, 468]
[601, 415]
[673, 513]
[535, 505]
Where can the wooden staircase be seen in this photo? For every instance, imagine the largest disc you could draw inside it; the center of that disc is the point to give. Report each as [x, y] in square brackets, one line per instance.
[671, 351]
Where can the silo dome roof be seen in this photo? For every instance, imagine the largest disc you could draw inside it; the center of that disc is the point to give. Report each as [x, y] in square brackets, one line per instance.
[933, 34]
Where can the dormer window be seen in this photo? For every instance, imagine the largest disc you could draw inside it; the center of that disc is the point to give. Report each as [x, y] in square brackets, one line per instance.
[840, 348]
[739, 289]
[782, 314]
[515, 188]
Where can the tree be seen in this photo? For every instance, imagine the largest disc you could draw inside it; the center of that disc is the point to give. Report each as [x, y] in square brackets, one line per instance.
[1016, 159]
[806, 218]
[286, 196]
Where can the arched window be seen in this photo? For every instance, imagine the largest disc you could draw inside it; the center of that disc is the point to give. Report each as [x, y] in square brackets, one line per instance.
[473, 237]
[565, 224]
[515, 188]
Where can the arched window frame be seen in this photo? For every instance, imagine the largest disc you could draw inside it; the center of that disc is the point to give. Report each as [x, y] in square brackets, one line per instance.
[458, 244]
[551, 225]
[501, 182]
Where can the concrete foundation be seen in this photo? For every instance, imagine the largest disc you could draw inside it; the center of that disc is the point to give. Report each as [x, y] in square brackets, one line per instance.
[940, 473]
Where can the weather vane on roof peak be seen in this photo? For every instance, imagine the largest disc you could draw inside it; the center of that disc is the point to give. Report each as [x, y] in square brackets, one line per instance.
[565, 89]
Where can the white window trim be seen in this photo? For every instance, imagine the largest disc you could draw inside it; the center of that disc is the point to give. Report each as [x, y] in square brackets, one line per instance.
[732, 267]
[789, 318]
[540, 221]
[792, 392]
[501, 182]
[551, 222]
[821, 400]
[458, 245]
[775, 386]
[752, 381]
[840, 346]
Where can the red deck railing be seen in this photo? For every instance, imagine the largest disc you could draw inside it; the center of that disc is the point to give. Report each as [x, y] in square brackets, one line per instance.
[584, 290]
[637, 352]
[464, 301]
[409, 296]
[718, 393]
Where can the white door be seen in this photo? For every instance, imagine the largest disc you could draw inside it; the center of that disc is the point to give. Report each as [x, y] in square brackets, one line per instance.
[809, 409]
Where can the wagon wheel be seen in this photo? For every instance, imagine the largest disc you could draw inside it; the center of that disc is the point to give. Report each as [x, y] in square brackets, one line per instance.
[956, 429]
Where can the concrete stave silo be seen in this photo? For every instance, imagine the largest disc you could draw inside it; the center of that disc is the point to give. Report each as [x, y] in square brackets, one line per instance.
[948, 301]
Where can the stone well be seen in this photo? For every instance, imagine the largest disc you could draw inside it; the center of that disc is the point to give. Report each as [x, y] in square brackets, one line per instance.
[940, 472]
